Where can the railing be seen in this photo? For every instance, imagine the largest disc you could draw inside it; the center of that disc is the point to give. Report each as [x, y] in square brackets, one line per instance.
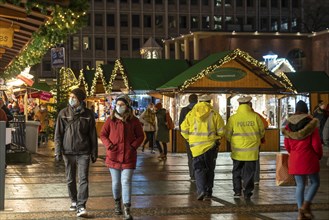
[18, 126]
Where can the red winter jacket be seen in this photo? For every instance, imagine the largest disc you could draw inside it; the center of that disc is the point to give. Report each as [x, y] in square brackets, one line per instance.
[302, 141]
[121, 140]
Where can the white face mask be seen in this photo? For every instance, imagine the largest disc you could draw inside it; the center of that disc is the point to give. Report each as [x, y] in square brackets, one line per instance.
[73, 102]
[120, 109]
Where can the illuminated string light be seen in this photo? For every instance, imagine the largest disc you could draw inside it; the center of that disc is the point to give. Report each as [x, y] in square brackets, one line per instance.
[237, 53]
[118, 68]
[64, 21]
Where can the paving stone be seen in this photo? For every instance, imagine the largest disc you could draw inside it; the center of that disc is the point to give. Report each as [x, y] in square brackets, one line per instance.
[161, 190]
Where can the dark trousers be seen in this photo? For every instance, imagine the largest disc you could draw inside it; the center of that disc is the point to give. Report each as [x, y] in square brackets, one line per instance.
[149, 139]
[160, 148]
[243, 170]
[72, 164]
[204, 171]
[190, 160]
[257, 170]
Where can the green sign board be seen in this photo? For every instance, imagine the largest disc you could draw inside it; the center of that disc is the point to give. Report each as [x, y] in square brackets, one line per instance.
[227, 74]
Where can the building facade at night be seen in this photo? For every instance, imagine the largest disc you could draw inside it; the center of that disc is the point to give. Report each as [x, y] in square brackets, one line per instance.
[120, 28]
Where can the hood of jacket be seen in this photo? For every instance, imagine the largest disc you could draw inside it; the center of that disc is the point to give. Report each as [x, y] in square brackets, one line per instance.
[202, 110]
[300, 126]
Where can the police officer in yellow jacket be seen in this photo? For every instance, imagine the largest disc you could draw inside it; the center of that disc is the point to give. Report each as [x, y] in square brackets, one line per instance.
[203, 127]
[244, 130]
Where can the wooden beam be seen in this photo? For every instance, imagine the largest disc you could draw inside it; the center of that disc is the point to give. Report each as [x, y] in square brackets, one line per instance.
[11, 49]
[7, 24]
[21, 37]
[25, 32]
[11, 13]
[21, 9]
[6, 59]
[35, 21]
[18, 41]
[20, 24]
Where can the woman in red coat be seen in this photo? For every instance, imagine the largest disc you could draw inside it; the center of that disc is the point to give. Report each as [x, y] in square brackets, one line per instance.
[302, 141]
[122, 134]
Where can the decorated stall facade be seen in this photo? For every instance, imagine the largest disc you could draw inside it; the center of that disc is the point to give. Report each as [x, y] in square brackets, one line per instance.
[226, 76]
[95, 83]
[139, 78]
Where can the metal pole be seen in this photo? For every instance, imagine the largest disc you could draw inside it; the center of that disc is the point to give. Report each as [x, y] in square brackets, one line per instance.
[2, 163]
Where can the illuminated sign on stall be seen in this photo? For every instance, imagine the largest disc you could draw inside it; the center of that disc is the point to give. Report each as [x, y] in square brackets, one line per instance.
[227, 74]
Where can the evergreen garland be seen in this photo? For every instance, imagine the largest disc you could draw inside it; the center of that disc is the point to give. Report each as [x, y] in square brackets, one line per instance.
[64, 21]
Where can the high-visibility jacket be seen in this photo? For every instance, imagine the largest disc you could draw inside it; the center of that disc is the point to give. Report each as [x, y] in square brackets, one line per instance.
[202, 128]
[244, 130]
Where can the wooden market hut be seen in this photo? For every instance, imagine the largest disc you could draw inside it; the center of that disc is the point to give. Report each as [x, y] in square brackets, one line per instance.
[314, 84]
[231, 73]
[94, 81]
[136, 75]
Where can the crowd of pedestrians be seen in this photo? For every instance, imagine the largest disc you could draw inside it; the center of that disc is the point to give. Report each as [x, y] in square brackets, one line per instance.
[203, 129]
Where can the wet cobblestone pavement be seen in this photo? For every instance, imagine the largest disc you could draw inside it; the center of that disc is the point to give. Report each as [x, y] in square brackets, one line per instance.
[161, 190]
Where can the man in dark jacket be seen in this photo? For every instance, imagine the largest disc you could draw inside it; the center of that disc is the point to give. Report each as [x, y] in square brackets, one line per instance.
[76, 141]
[193, 99]
[321, 114]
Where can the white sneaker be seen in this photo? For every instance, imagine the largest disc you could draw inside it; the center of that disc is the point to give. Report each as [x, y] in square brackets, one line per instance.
[73, 206]
[82, 212]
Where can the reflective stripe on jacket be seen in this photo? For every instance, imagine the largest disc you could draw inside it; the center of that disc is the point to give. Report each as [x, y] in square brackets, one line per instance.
[202, 127]
[244, 130]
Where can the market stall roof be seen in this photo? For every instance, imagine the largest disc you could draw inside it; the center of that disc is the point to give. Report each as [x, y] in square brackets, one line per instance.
[136, 74]
[33, 27]
[24, 25]
[309, 81]
[96, 80]
[218, 63]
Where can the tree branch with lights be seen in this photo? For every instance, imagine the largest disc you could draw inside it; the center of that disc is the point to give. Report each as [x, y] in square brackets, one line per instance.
[64, 21]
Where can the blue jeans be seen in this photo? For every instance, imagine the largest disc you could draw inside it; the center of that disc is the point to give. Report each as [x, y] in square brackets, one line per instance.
[312, 189]
[122, 180]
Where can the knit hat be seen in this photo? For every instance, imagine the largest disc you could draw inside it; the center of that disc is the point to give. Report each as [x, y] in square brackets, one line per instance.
[244, 99]
[158, 106]
[193, 98]
[125, 99]
[79, 93]
[301, 107]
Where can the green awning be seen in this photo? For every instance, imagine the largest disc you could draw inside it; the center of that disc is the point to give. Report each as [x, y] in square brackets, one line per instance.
[41, 86]
[89, 76]
[309, 81]
[107, 71]
[149, 74]
[193, 70]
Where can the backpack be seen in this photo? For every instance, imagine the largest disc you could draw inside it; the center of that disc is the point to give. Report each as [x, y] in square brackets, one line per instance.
[170, 123]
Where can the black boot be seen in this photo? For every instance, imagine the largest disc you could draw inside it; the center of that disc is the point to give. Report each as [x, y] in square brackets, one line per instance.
[127, 215]
[117, 206]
